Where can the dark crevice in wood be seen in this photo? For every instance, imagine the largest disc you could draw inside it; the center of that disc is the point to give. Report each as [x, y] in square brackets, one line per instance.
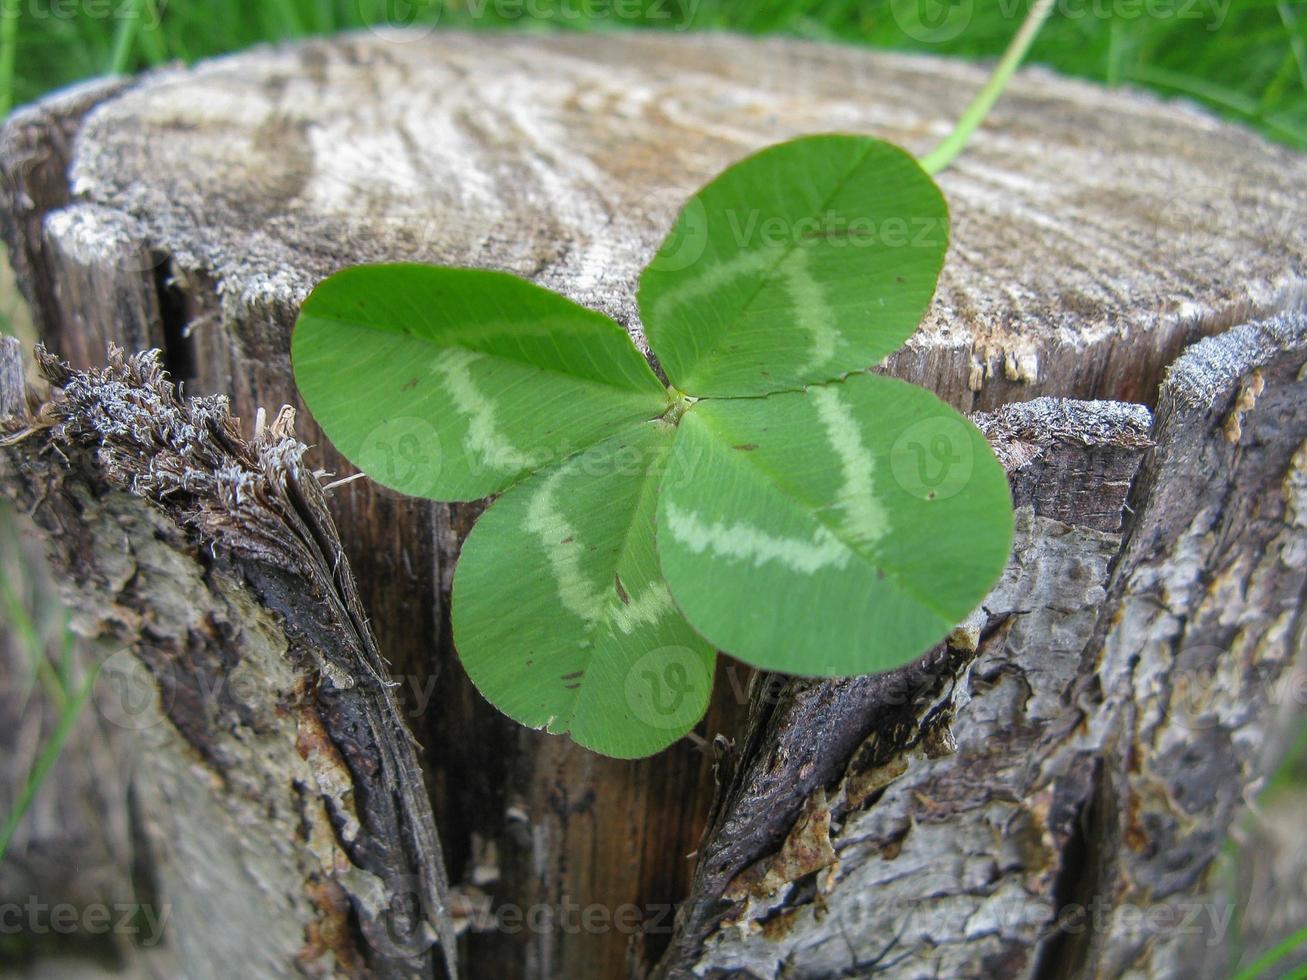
[1151, 362]
[179, 354]
[144, 875]
[1062, 955]
[814, 733]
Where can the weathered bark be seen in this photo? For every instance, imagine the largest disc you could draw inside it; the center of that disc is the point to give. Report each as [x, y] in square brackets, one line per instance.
[1031, 764]
[1132, 675]
[279, 772]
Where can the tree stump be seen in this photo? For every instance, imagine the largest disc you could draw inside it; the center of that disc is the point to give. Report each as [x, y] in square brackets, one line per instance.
[1122, 307]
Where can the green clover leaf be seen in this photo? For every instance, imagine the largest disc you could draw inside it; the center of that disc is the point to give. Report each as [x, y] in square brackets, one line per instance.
[837, 530]
[508, 377]
[780, 503]
[562, 617]
[819, 258]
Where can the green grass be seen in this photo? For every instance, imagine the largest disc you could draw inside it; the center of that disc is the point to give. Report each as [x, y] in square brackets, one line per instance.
[1275, 957]
[1245, 59]
[1282, 788]
[64, 686]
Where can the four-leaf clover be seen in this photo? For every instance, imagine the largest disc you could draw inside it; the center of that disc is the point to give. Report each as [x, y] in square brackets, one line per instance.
[775, 500]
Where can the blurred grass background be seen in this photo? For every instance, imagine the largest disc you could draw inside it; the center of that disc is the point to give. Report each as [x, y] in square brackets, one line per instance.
[1245, 59]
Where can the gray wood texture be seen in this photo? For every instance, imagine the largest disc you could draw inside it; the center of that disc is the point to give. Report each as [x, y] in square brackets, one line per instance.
[276, 779]
[1122, 301]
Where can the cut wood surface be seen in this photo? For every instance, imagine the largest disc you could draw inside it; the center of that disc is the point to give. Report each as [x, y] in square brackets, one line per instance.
[934, 821]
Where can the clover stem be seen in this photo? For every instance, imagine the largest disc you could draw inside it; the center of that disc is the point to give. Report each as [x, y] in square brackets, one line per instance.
[680, 405]
[944, 154]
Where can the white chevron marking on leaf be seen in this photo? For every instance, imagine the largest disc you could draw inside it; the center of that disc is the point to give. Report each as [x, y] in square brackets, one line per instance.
[811, 311]
[643, 610]
[865, 518]
[745, 542]
[715, 277]
[587, 600]
[483, 436]
[579, 595]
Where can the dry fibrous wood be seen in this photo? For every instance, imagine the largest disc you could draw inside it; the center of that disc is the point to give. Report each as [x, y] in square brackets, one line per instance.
[280, 790]
[1036, 762]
